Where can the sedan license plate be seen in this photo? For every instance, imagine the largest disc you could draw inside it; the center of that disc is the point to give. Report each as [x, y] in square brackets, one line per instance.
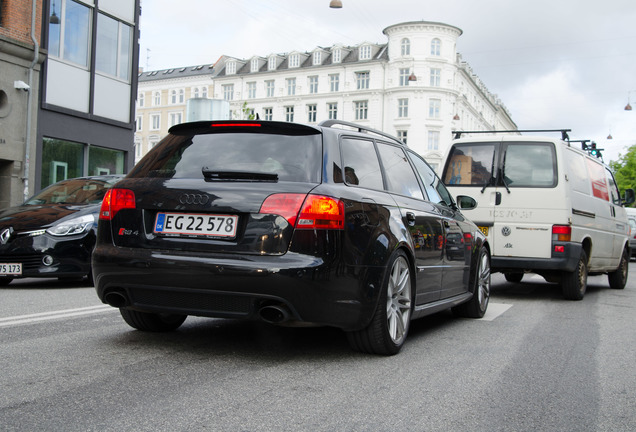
[191, 224]
[10, 269]
[483, 229]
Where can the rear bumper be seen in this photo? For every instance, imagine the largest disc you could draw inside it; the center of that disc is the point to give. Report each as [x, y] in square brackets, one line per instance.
[313, 290]
[562, 261]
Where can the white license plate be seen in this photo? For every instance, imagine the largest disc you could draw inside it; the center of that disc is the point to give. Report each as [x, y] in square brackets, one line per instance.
[10, 269]
[190, 224]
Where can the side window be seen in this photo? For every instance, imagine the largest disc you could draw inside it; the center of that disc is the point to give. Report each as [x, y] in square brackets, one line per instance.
[577, 173]
[435, 189]
[614, 194]
[361, 164]
[400, 177]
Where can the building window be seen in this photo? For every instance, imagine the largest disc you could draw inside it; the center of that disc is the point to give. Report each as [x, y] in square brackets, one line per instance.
[436, 47]
[313, 84]
[334, 82]
[251, 90]
[289, 113]
[268, 113]
[141, 100]
[204, 92]
[311, 113]
[291, 86]
[254, 65]
[362, 110]
[365, 52]
[337, 55]
[404, 76]
[139, 123]
[294, 60]
[231, 68]
[332, 109]
[269, 88]
[195, 92]
[362, 80]
[403, 108]
[228, 92]
[70, 39]
[405, 47]
[434, 108]
[181, 93]
[433, 140]
[173, 97]
[271, 63]
[402, 135]
[156, 98]
[114, 47]
[317, 58]
[155, 121]
[176, 118]
[436, 77]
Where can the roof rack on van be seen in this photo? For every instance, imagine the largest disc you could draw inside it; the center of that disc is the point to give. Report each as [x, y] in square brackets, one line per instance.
[330, 123]
[564, 132]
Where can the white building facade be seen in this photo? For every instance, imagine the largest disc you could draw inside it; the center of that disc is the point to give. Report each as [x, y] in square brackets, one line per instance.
[415, 87]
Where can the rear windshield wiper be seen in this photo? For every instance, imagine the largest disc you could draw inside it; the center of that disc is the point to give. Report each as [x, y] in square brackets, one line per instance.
[492, 169]
[503, 172]
[246, 176]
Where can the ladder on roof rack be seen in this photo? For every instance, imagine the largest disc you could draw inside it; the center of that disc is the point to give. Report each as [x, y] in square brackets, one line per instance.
[564, 132]
[360, 128]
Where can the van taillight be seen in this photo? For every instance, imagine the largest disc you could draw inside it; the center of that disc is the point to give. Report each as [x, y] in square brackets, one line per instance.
[306, 211]
[115, 200]
[562, 233]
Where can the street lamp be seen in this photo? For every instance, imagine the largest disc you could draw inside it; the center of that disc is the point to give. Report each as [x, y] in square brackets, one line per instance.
[335, 4]
[628, 107]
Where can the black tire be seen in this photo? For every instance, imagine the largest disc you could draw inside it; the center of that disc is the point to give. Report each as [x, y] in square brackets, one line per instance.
[513, 277]
[618, 278]
[574, 284]
[152, 322]
[389, 326]
[4, 281]
[477, 305]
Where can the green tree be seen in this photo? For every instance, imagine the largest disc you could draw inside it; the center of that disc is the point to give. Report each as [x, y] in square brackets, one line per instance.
[625, 169]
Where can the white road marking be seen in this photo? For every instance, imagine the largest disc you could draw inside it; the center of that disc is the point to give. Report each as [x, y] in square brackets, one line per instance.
[46, 316]
[495, 310]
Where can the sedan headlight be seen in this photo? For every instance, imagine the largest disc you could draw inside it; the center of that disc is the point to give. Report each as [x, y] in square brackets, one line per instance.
[73, 226]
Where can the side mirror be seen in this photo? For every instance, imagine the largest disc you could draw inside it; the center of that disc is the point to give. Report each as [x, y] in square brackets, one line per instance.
[629, 197]
[465, 202]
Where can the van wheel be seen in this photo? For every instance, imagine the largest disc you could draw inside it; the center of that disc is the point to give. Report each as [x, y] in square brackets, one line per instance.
[389, 326]
[152, 322]
[574, 284]
[618, 278]
[513, 277]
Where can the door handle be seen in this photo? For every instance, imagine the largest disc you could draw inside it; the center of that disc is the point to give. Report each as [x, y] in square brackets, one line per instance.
[410, 218]
[497, 198]
[446, 224]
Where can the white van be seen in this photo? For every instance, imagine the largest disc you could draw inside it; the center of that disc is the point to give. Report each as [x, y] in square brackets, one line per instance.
[546, 205]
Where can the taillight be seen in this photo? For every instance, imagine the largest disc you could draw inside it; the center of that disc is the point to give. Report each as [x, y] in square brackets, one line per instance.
[115, 200]
[561, 233]
[306, 211]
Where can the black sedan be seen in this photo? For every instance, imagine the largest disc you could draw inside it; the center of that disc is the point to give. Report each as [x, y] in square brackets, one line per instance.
[53, 233]
[334, 225]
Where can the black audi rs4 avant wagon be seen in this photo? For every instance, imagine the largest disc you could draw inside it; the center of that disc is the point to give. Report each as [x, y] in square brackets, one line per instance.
[333, 225]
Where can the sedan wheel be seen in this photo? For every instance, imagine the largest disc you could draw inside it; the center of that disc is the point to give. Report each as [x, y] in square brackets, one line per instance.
[477, 305]
[390, 324]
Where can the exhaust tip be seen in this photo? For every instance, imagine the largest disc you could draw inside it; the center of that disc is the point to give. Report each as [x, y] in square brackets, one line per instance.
[274, 314]
[116, 299]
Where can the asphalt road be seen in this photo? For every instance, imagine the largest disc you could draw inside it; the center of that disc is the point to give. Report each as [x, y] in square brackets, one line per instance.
[536, 362]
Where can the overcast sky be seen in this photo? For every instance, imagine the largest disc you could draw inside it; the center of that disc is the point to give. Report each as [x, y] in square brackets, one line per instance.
[554, 63]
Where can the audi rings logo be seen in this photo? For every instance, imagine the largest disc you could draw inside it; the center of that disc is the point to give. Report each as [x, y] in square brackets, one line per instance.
[194, 199]
[506, 231]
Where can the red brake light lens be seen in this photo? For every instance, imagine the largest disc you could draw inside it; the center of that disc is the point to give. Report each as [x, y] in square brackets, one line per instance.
[561, 233]
[115, 200]
[306, 211]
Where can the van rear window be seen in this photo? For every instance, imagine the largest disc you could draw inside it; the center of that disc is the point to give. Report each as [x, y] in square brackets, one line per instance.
[529, 165]
[470, 165]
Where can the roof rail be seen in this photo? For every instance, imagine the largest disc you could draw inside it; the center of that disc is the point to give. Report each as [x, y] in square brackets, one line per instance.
[564, 132]
[360, 128]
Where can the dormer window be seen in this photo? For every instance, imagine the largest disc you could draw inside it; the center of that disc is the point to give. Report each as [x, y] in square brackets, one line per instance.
[271, 63]
[436, 47]
[317, 58]
[294, 60]
[337, 55]
[365, 52]
[405, 47]
[254, 65]
[230, 69]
